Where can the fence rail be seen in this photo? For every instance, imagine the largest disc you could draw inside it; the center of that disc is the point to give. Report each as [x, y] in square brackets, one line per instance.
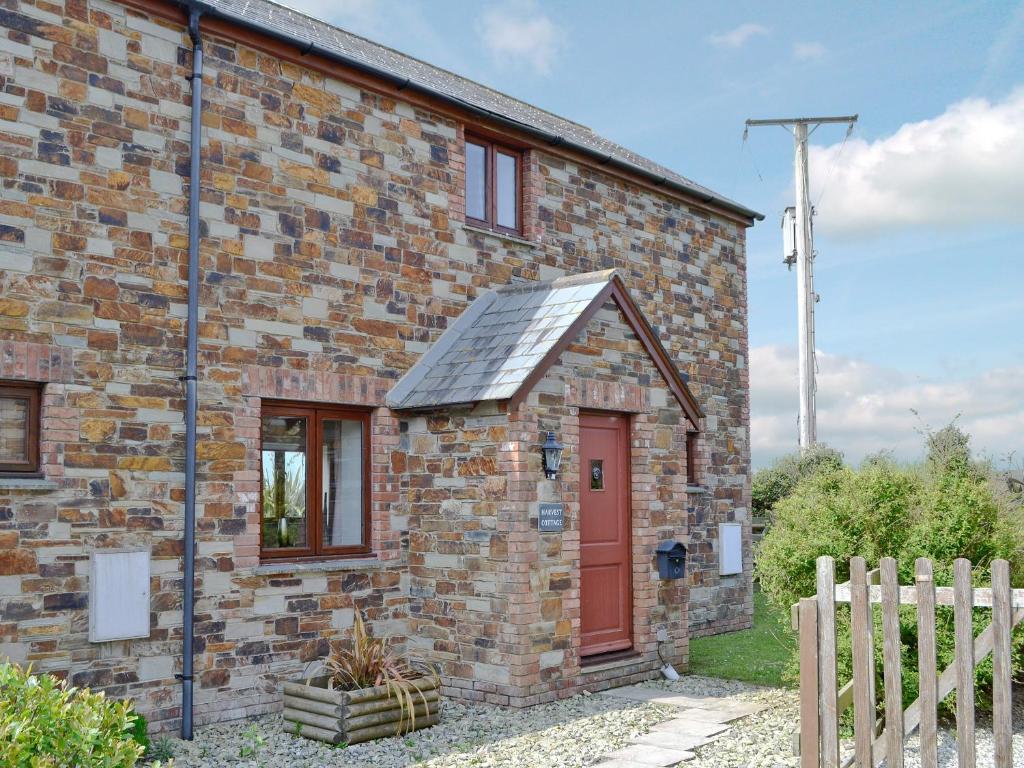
[875, 739]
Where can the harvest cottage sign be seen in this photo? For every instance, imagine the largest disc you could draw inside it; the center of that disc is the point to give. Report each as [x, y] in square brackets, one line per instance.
[552, 517]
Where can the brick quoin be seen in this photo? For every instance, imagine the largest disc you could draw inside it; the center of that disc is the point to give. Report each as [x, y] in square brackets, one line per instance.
[334, 252]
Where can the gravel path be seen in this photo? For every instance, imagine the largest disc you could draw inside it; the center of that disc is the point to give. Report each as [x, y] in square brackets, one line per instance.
[573, 733]
[566, 734]
[762, 740]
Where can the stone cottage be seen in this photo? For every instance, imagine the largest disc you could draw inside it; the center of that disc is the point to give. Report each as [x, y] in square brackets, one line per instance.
[406, 281]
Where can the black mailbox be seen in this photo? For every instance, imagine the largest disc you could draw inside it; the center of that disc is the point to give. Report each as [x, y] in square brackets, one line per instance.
[671, 560]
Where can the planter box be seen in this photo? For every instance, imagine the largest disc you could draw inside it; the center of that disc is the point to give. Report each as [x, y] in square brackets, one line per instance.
[349, 717]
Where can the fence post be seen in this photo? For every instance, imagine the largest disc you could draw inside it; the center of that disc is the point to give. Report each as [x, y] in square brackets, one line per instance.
[827, 683]
[863, 663]
[809, 749]
[892, 671]
[929, 680]
[963, 607]
[1002, 691]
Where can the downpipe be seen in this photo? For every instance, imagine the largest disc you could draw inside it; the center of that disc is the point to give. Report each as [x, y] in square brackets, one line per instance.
[191, 369]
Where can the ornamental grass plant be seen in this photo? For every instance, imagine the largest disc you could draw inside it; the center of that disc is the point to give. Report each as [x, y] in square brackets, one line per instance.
[369, 662]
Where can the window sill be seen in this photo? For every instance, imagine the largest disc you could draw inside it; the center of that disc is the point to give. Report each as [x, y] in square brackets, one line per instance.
[698, 489]
[321, 566]
[500, 235]
[27, 484]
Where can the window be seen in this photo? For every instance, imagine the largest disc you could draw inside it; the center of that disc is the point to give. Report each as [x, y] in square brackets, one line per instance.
[492, 185]
[316, 482]
[19, 428]
[692, 450]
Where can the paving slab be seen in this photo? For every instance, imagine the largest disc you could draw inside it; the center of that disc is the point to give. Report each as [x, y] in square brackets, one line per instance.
[672, 740]
[746, 707]
[721, 714]
[681, 700]
[650, 755]
[684, 726]
[634, 693]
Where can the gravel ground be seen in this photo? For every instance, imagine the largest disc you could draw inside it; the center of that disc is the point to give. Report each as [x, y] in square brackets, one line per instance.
[566, 734]
[764, 740]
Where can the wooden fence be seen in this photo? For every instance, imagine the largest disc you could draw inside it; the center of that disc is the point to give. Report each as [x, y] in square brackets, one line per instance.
[822, 701]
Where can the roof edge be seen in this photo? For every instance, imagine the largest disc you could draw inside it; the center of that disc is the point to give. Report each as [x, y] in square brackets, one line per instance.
[307, 47]
[617, 291]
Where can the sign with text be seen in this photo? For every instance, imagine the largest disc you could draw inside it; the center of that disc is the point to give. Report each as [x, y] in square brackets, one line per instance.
[552, 517]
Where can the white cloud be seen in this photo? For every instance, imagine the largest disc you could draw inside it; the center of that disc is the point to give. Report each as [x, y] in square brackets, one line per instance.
[962, 168]
[738, 37]
[808, 51]
[865, 408]
[520, 33]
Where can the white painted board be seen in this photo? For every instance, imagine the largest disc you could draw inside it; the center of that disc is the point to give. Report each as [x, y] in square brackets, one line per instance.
[730, 548]
[118, 595]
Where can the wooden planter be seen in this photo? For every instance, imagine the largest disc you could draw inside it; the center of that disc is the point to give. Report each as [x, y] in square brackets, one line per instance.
[313, 710]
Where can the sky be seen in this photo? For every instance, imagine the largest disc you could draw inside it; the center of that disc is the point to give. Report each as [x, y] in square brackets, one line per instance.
[920, 211]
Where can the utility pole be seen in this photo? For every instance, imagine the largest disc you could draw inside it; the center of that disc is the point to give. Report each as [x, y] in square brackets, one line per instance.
[805, 297]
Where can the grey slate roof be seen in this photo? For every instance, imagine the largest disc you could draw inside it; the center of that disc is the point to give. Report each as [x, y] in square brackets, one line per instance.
[496, 343]
[330, 40]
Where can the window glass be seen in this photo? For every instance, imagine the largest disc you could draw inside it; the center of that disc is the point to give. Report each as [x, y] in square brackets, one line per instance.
[14, 415]
[597, 474]
[476, 181]
[506, 191]
[285, 506]
[342, 458]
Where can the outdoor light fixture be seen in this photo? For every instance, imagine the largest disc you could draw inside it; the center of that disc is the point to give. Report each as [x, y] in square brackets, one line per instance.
[552, 450]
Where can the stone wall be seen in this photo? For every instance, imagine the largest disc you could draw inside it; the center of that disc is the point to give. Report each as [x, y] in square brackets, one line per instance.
[333, 253]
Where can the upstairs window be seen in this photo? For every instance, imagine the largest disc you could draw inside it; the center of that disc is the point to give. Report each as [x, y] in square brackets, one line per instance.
[315, 481]
[493, 180]
[19, 428]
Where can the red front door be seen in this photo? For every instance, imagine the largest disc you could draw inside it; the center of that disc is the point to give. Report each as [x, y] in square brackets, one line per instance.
[605, 565]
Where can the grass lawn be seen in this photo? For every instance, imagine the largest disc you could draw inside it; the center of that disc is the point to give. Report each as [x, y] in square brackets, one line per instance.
[758, 655]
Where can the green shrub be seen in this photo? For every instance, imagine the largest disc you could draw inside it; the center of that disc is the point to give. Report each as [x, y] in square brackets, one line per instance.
[161, 749]
[771, 485]
[139, 731]
[45, 723]
[948, 507]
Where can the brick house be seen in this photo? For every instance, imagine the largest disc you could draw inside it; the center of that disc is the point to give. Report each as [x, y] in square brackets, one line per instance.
[407, 281]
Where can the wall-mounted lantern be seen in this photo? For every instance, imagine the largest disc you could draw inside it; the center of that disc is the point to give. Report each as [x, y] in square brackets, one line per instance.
[552, 450]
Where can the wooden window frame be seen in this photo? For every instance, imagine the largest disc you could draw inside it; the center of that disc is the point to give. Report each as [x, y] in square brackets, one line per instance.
[315, 414]
[32, 393]
[491, 150]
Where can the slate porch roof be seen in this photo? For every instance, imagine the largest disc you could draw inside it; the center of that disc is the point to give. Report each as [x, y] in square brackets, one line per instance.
[506, 339]
[311, 35]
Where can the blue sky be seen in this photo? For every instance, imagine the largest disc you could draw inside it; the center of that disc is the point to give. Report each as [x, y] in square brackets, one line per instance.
[921, 216]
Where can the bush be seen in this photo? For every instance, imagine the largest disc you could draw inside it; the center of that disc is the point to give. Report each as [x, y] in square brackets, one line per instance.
[139, 731]
[45, 723]
[948, 507]
[773, 484]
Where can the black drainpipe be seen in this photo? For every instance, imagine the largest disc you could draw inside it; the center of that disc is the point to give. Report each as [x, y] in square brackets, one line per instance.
[191, 353]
